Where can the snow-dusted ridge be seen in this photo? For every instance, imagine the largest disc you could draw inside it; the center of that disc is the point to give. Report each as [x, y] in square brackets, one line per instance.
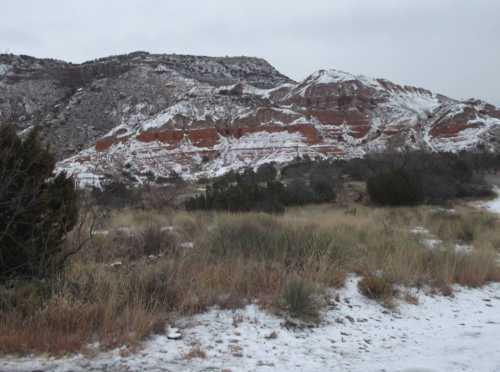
[4, 68]
[332, 76]
[147, 110]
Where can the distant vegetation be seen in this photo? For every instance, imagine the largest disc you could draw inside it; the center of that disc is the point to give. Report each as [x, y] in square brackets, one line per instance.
[418, 177]
[395, 187]
[393, 179]
[260, 192]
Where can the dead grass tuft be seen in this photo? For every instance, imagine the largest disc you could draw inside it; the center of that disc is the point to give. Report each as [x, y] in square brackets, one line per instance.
[301, 299]
[378, 288]
[195, 353]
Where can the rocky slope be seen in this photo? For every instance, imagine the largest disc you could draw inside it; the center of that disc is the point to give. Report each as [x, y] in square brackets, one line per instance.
[148, 117]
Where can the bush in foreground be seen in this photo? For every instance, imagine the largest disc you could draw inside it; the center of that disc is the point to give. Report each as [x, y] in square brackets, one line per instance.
[37, 209]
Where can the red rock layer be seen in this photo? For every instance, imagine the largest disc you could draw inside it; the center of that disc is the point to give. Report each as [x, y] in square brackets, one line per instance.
[209, 137]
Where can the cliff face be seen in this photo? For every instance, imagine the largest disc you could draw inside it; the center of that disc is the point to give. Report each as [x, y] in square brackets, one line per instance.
[149, 116]
[77, 104]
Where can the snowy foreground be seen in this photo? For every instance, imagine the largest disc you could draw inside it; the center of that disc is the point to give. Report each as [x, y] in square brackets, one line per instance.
[459, 333]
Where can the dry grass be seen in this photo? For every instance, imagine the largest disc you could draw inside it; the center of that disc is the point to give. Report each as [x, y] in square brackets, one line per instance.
[236, 259]
[378, 288]
[137, 219]
[410, 299]
[464, 226]
[301, 299]
[195, 353]
[63, 327]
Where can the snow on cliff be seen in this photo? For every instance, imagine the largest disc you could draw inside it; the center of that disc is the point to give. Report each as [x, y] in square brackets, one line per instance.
[160, 114]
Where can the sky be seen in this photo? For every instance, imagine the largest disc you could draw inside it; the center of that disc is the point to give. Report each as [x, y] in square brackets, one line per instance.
[448, 46]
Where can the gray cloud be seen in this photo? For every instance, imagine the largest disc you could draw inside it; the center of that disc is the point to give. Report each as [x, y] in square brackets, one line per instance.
[449, 46]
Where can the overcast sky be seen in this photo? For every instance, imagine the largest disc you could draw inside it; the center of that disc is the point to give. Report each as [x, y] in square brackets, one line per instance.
[449, 46]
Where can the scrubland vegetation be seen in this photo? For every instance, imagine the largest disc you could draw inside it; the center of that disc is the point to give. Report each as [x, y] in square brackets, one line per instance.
[123, 273]
[146, 268]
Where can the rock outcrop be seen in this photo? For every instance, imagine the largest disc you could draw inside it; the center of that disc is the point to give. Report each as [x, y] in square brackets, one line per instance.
[149, 117]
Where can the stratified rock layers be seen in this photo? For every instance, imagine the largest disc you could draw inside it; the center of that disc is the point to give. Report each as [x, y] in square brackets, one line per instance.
[152, 116]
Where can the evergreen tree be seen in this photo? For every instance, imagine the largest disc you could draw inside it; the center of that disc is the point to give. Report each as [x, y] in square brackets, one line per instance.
[395, 187]
[37, 209]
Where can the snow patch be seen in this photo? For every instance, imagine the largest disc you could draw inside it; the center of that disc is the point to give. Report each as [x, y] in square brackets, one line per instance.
[356, 335]
[333, 76]
[493, 205]
[432, 243]
[4, 68]
[194, 112]
[265, 93]
[420, 103]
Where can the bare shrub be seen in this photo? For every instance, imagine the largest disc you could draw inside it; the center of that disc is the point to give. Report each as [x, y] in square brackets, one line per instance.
[196, 352]
[378, 288]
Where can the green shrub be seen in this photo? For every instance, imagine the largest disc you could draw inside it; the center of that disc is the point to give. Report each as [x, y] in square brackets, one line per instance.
[298, 192]
[323, 188]
[37, 209]
[395, 188]
[244, 196]
[266, 173]
[248, 193]
[440, 176]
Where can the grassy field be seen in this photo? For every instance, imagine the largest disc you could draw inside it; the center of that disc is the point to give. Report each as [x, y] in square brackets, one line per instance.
[144, 268]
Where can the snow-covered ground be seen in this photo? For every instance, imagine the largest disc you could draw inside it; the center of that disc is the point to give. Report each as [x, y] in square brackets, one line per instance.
[459, 333]
[494, 204]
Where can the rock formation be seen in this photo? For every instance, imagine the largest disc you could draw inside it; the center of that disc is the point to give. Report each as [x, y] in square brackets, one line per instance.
[153, 116]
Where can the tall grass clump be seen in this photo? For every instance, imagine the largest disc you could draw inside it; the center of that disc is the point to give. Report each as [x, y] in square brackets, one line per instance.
[301, 299]
[153, 240]
[463, 227]
[377, 287]
[263, 237]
